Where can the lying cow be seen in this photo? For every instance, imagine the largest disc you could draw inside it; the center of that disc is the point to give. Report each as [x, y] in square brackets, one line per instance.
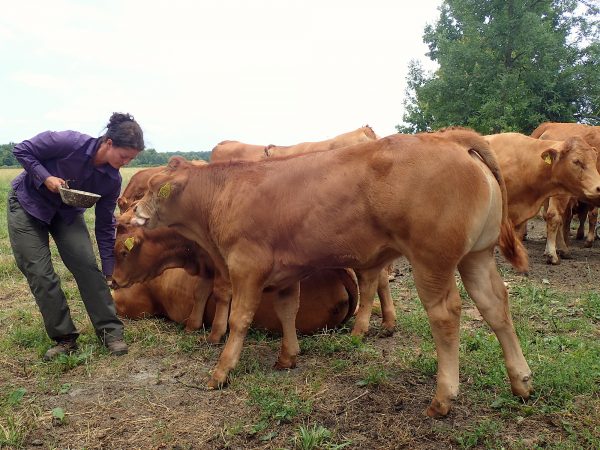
[162, 273]
[238, 151]
[559, 210]
[269, 224]
[534, 170]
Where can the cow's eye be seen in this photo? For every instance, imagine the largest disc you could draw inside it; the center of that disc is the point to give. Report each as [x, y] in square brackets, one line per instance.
[579, 163]
[124, 253]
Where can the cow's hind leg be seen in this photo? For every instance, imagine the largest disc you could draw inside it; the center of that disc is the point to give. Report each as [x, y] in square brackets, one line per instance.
[247, 294]
[593, 221]
[367, 285]
[439, 295]
[286, 309]
[485, 286]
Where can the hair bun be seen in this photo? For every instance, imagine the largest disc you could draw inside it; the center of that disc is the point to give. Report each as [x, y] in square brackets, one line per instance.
[118, 118]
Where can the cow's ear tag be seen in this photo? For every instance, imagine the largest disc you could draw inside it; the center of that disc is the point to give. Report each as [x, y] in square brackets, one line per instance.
[548, 159]
[165, 190]
[129, 243]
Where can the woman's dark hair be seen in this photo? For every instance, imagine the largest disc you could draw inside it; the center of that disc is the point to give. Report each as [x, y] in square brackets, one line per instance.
[124, 131]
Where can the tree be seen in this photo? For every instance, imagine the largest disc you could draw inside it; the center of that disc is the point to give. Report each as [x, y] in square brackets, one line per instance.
[507, 65]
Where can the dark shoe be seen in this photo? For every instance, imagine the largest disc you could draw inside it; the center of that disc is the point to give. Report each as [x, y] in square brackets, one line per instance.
[61, 348]
[117, 347]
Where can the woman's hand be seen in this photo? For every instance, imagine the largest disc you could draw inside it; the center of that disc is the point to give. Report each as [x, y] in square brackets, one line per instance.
[53, 183]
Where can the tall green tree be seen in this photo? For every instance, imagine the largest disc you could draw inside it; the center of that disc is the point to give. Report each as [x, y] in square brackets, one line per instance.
[507, 65]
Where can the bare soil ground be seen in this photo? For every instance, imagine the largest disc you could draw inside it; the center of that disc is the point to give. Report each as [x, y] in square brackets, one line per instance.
[153, 397]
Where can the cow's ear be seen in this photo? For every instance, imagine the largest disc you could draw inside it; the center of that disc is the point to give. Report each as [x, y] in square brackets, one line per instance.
[177, 161]
[549, 156]
[121, 228]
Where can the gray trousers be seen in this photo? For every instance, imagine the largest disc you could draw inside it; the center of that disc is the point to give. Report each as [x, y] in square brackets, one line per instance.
[29, 238]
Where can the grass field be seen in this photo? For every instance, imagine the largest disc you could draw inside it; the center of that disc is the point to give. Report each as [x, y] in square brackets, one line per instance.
[345, 393]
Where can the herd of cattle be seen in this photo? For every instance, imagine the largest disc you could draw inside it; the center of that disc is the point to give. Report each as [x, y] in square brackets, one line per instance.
[300, 238]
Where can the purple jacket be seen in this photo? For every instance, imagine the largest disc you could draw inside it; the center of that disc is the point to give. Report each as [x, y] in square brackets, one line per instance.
[68, 155]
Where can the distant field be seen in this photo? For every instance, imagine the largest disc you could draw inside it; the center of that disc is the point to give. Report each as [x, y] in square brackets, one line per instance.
[345, 393]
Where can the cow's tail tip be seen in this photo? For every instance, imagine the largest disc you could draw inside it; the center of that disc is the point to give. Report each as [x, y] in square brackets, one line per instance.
[513, 249]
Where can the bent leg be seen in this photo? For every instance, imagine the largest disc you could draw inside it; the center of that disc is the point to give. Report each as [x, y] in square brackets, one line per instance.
[30, 245]
[75, 248]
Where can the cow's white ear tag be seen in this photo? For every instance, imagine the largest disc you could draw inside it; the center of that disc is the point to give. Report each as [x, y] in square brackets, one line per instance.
[165, 190]
[548, 159]
[129, 243]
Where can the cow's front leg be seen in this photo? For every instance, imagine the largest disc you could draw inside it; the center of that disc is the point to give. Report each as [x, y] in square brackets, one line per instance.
[286, 309]
[222, 297]
[245, 300]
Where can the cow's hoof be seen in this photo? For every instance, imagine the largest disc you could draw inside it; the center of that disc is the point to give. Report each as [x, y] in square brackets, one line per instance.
[588, 244]
[359, 332]
[285, 364]
[551, 259]
[564, 254]
[218, 380]
[214, 338]
[437, 409]
[386, 331]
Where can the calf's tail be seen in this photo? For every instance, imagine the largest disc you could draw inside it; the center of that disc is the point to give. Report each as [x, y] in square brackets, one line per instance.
[510, 245]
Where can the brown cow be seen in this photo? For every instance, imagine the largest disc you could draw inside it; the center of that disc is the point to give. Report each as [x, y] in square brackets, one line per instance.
[270, 223]
[138, 183]
[238, 151]
[147, 264]
[533, 170]
[559, 211]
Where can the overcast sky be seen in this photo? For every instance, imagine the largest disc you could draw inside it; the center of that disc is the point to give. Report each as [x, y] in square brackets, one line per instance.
[194, 73]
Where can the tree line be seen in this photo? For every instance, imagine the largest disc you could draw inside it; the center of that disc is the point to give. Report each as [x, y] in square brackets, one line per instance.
[148, 158]
[507, 66]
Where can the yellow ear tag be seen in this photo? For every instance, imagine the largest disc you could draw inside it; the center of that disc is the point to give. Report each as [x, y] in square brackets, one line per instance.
[129, 243]
[165, 190]
[548, 159]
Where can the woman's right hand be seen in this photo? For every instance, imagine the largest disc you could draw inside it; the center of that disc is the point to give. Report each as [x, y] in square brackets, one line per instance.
[53, 183]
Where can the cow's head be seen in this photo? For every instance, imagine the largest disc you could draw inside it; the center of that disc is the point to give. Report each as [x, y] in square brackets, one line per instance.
[574, 165]
[142, 254]
[131, 265]
[159, 205]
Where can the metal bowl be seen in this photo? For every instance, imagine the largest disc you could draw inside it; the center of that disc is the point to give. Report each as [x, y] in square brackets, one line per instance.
[79, 199]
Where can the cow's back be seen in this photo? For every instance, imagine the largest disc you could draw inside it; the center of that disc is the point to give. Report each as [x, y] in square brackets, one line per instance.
[314, 196]
[563, 131]
[236, 151]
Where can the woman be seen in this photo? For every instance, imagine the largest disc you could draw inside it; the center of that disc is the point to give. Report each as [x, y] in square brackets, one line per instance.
[35, 212]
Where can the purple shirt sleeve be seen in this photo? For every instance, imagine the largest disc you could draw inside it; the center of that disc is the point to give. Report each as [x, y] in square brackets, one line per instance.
[46, 145]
